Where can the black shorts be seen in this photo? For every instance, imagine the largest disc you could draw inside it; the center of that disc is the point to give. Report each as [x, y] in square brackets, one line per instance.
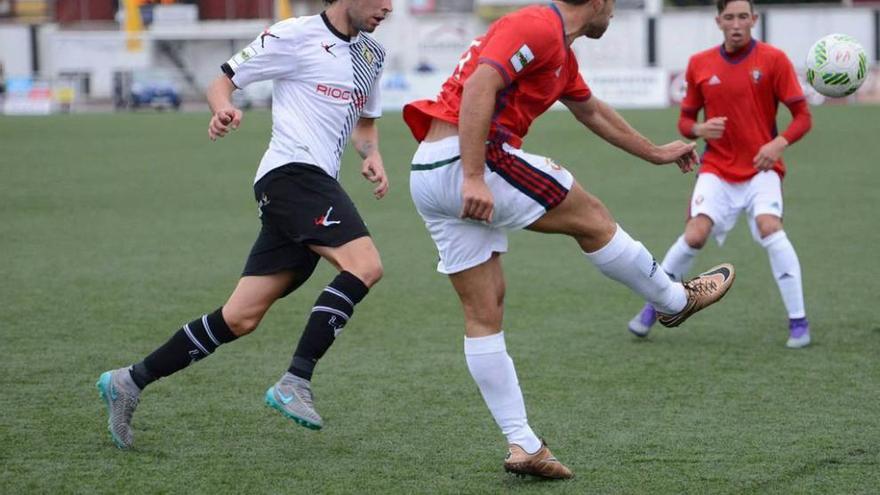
[300, 205]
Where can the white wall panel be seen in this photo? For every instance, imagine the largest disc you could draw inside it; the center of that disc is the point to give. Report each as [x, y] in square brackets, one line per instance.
[15, 50]
[795, 30]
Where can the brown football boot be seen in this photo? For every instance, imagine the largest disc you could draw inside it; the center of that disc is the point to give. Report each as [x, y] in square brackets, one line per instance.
[541, 464]
[703, 290]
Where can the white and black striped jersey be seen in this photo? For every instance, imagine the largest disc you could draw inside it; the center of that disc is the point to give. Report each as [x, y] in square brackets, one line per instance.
[323, 82]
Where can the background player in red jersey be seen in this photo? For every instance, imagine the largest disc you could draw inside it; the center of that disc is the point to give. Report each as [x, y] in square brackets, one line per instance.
[739, 86]
[470, 192]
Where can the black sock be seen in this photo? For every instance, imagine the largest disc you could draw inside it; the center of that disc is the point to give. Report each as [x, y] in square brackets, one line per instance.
[331, 312]
[196, 340]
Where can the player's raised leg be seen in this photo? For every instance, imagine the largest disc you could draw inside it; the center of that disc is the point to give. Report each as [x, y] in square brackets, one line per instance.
[786, 268]
[677, 264]
[360, 268]
[481, 291]
[582, 216]
[121, 388]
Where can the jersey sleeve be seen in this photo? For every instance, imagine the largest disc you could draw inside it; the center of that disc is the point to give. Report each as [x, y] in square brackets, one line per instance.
[515, 50]
[373, 107]
[272, 55]
[576, 88]
[693, 98]
[785, 83]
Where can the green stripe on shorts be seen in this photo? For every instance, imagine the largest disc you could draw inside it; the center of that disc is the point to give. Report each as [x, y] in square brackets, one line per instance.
[432, 166]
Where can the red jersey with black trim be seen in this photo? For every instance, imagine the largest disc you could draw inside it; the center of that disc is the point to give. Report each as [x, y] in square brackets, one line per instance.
[746, 87]
[528, 49]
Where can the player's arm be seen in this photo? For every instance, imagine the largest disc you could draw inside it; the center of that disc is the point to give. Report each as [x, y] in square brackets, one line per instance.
[801, 123]
[605, 122]
[689, 127]
[693, 101]
[787, 89]
[365, 139]
[224, 114]
[475, 118]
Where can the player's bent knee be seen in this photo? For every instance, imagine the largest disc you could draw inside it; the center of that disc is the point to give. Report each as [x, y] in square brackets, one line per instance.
[240, 324]
[696, 240]
[697, 231]
[768, 226]
[368, 273]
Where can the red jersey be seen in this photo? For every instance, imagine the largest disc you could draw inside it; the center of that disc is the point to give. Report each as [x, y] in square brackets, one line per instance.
[528, 49]
[746, 87]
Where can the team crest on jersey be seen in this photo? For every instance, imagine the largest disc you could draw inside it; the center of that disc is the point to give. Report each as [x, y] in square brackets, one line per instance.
[368, 54]
[521, 58]
[756, 75]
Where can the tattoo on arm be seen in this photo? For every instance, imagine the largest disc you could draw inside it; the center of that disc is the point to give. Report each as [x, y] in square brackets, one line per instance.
[364, 148]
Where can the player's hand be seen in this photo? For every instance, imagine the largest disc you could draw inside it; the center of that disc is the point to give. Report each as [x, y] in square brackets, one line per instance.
[770, 153]
[374, 171]
[711, 129]
[477, 201]
[224, 120]
[678, 152]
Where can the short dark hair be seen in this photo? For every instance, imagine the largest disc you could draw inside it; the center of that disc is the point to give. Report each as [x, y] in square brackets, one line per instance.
[575, 2]
[328, 2]
[722, 4]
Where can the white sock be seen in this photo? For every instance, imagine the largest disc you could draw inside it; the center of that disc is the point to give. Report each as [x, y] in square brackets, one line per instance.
[787, 271]
[628, 262]
[493, 370]
[679, 259]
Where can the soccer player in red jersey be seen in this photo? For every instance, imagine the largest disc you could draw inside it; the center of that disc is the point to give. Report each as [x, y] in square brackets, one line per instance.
[739, 86]
[471, 183]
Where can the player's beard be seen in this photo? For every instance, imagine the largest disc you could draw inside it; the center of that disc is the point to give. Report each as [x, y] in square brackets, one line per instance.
[363, 24]
[595, 31]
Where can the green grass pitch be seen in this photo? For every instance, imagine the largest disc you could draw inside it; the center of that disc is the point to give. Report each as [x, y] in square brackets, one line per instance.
[117, 229]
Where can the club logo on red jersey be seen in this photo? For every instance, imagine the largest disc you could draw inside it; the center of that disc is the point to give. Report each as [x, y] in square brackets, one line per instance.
[756, 75]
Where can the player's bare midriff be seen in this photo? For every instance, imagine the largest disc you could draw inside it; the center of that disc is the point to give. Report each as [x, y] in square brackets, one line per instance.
[440, 129]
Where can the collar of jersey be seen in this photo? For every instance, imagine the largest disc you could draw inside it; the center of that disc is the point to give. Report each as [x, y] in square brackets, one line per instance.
[335, 31]
[561, 22]
[739, 55]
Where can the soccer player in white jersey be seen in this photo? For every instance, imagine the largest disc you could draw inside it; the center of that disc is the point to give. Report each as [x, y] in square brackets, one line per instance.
[326, 74]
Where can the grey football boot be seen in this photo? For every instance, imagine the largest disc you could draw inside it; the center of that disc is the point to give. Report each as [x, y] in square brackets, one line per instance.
[292, 396]
[121, 395]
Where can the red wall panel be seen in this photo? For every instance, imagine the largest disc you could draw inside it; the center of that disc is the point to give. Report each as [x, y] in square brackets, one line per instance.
[232, 9]
[68, 11]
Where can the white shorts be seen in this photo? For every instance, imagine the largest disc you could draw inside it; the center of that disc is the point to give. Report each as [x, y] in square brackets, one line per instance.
[723, 201]
[524, 187]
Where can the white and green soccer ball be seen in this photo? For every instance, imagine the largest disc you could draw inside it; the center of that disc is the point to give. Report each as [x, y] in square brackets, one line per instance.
[836, 65]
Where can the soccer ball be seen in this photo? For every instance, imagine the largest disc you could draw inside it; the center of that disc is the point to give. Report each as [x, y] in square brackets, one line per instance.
[836, 65]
